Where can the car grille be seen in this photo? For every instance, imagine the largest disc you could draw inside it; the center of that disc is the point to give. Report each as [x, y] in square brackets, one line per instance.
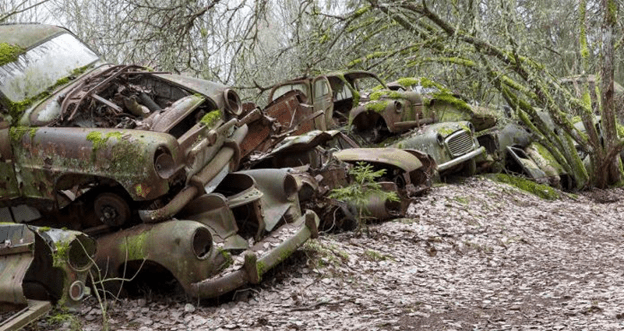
[459, 143]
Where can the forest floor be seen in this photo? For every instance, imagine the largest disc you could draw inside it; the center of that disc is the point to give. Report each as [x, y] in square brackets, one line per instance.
[476, 255]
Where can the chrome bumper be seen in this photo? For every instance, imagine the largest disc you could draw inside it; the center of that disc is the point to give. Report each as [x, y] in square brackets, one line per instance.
[461, 159]
[256, 264]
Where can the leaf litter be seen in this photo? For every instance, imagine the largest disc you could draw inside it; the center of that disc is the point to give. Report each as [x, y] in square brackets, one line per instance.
[476, 255]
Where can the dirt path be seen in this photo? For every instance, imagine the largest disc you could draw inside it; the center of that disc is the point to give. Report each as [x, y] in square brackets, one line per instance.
[472, 256]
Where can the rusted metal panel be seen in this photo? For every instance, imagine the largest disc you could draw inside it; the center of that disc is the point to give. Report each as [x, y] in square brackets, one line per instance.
[35, 310]
[41, 266]
[394, 156]
[17, 245]
[258, 259]
[285, 116]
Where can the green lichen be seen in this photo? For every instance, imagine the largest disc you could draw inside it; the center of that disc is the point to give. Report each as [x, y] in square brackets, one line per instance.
[408, 81]
[285, 254]
[18, 132]
[128, 156]
[9, 53]
[17, 108]
[356, 98]
[227, 256]
[262, 268]
[132, 247]
[447, 97]
[543, 191]
[79, 71]
[446, 131]
[575, 119]
[95, 137]
[378, 106]
[387, 94]
[44, 229]
[545, 153]
[211, 118]
[361, 11]
[59, 256]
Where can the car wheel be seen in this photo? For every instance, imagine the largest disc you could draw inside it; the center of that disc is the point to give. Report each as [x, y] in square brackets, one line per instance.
[111, 209]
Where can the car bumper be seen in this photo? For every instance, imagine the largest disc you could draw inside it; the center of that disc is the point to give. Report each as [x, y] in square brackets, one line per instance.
[229, 152]
[461, 159]
[257, 261]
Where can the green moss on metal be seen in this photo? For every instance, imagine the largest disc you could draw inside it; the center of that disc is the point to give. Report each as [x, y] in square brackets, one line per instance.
[133, 247]
[99, 141]
[446, 131]
[211, 118]
[17, 108]
[543, 191]
[9, 53]
[285, 254]
[95, 137]
[79, 71]
[377, 106]
[59, 256]
[227, 256]
[446, 96]
[262, 268]
[128, 157]
[18, 132]
[387, 94]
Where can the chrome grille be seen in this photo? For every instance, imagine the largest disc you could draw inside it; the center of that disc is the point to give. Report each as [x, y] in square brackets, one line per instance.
[459, 143]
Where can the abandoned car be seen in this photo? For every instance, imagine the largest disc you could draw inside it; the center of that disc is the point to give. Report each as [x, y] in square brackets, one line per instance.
[340, 99]
[143, 160]
[40, 267]
[360, 100]
[321, 161]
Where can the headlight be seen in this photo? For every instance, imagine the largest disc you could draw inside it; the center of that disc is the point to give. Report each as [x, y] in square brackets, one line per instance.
[77, 290]
[81, 253]
[202, 243]
[398, 106]
[233, 103]
[164, 165]
[471, 127]
[440, 139]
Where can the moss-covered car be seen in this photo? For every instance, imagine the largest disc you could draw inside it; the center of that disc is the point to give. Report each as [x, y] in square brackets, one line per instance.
[348, 98]
[73, 128]
[450, 138]
[41, 267]
[143, 160]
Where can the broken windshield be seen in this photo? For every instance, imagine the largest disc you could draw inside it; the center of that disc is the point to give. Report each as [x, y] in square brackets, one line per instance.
[43, 67]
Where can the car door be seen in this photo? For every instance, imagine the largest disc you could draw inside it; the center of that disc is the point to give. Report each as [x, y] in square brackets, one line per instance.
[8, 181]
[322, 96]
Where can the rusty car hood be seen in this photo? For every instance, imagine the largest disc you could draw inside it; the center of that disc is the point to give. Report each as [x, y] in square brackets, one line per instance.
[394, 156]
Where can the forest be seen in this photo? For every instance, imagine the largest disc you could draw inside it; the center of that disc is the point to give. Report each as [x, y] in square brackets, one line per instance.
[499, 53]
[470, 255]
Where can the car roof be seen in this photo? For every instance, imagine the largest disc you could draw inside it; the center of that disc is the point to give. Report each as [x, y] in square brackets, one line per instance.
[27, 35]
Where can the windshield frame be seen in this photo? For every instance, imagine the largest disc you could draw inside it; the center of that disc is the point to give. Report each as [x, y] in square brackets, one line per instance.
[60, 80]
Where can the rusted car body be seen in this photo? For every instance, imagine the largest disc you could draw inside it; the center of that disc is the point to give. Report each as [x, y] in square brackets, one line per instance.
[451, 144]
[320, 161]
[451, 136]
[143, 160]
[347, 98]
[40, 267]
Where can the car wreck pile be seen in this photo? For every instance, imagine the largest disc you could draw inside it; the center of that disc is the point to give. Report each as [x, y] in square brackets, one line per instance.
[175, 178]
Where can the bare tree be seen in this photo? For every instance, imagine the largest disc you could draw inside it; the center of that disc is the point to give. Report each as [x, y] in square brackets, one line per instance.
[22, 10]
